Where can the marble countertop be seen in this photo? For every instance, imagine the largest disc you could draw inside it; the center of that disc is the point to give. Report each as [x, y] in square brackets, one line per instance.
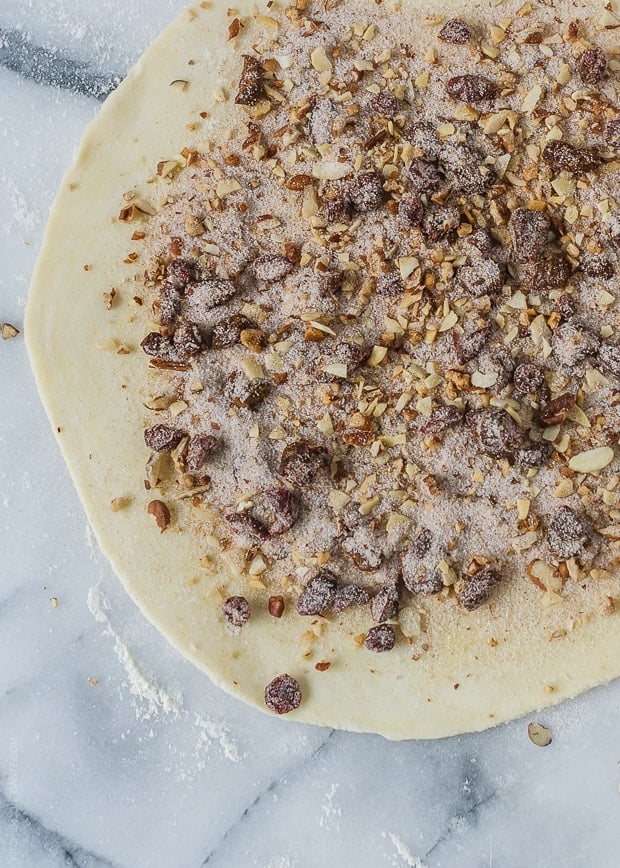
[114, 751]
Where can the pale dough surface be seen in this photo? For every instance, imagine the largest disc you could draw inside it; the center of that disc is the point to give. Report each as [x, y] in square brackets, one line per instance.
[94, 398]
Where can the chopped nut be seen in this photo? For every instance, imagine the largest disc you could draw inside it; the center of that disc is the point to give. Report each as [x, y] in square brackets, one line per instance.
[161, 514]
[539, 734]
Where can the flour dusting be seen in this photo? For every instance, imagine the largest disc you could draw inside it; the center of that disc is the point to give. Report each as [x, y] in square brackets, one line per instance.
[151, 699]
[405, 855]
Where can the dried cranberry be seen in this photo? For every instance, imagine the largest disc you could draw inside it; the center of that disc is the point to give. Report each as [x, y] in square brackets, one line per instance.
[169, 304]
[466, 170]
[336, 209]
[479, 242]
[236, 610]
[421, 545]
[271, 267]
[555, 412]
[567, 534]
[572, 344]
[439, 221]
[380, 638]
[609, 359]
[424, 177]
[529, 231]
[162, 438]
[385, 603]
[441, 419]
[596, 265]
[553, 272]
[330, 282]
[423, 135]
[227, 332]
[318, 595]
[201, 449]
[456, 32]
[468, 346]
[419, 580]
[247, 525]
[592, 65]
[181, 272]
[390, 284]
[301, 461]
[498, 434]
[215, 292]
[528, 379]
[283, 694]
[410, 211]
[277, 509]
[564, 156]
[247, 394]
[158, 346]
[484, 277]
[533, 454]
[471, 88]
[478, 588]
[384, 104]
[251, 81]
[612, 133]
[187, 341]
[567, 306]
[366, 192]
[349, 596]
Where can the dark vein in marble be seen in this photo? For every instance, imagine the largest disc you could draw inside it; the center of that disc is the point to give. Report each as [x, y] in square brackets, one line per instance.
[28, 826]
[270, 788]
[47, 67]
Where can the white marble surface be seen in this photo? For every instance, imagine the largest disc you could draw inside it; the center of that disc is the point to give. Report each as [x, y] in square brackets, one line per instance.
[113, 750]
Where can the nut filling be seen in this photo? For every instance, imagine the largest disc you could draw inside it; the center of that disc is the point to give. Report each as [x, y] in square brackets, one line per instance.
[388, 322]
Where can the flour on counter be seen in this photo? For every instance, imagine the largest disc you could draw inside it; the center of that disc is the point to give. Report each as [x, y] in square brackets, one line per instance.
[151, 698]
[406, 857]
[331, 814]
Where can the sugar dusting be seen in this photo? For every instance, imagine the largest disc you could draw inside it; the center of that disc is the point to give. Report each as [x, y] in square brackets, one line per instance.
[405, 855]
[151, 699]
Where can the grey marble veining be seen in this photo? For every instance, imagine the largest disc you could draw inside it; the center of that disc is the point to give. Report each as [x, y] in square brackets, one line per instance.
[96, 773]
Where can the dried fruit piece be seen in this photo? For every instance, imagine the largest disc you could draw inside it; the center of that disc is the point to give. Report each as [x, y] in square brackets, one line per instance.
[161, 514]
[236, 610]
[567, 306]
[336, 208]
[170, 301]
[227, 331]
[498, 434]
[424, 176]
[479, 587]
[246, 394]
[366, 192]
[592, 65]
[363, 549]
[609, 359]
[201, 449]
[612, 133]
[567, 534]
[553, 272]
[529, 231]
[528, 378]
[596, 265]
[385, 603]
[277, 509]
[215, 292]
[187, 341]
[471, 88]
[384, 103]
[484, 277]
[411, 211]
[318, 595]
[539, 734]
[251, 87]
[380, 638]
[162, 438]
[283, 694]
[456, 32]
[468, 346]
[348, 596]
[390, 284]
[271, 267]
[301, 461]
[478, 243]
[572, 345]
[533, 454]
[181, 272]
[247, 525]
[466, 170]
[439, 221]
[441, 420]
[564, 156]
[555, 412]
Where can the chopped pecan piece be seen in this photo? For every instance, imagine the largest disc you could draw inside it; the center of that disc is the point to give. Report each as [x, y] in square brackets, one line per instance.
[301, 461]
[478, 588]
[161, 514]
[380, 638]
[471, 88]
[318, 595]
[162, 438]
[283, 694]
[251, 87]
[276, 606]
[456, 32]
[236, 610]
[555, 412]
[564, 156]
